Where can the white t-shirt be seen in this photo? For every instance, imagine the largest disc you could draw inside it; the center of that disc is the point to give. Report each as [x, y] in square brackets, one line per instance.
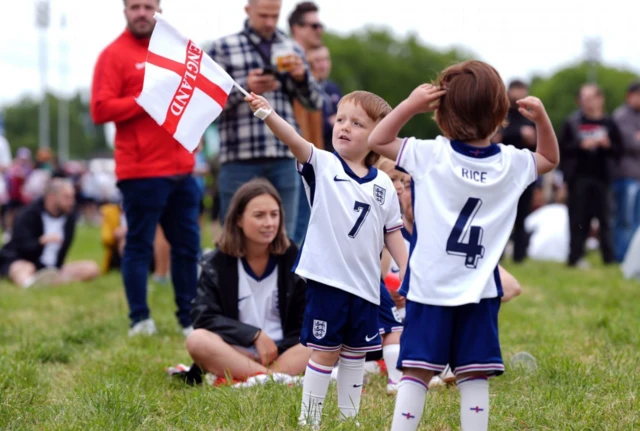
[52, 225]
[349, 217]
[258, 299]
[464, 204]
[549, 229]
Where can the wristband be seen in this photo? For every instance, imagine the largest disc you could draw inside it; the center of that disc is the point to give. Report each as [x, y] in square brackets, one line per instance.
[263, 113]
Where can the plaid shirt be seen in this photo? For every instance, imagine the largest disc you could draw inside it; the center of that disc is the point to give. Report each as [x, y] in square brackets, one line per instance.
[242, 135]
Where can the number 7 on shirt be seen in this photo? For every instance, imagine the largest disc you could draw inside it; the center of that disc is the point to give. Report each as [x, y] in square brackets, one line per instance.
[364, 212]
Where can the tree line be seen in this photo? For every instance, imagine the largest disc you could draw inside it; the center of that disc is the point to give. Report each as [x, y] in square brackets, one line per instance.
[370, 59]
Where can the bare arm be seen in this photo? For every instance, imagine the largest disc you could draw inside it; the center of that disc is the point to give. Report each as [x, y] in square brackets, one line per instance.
[384, 138]
[510, 285]
[300, 148]
[548, 153]
[397, 249]
[385, 263]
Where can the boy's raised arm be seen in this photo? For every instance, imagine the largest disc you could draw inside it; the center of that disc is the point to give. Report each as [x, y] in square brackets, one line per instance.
[547, 152]
[384, 138]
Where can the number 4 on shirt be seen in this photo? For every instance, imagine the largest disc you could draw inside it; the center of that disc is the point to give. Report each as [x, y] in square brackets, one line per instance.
[472, 250]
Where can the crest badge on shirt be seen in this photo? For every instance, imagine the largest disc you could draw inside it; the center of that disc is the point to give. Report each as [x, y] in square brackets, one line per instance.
[379, 193]
[319, 329]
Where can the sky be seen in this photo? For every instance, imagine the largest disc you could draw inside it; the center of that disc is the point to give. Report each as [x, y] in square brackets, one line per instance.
[519, 38]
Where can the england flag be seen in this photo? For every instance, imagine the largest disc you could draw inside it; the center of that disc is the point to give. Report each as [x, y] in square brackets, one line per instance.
[184, 90]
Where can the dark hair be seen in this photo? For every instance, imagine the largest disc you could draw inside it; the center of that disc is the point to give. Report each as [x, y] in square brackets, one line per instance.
[476, 103]
[516, 83]
[375, 107]
[232, 239]
[634, 87]
[297, 15]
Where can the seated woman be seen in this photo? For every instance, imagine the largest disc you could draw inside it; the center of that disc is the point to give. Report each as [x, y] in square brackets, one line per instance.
[248, 311]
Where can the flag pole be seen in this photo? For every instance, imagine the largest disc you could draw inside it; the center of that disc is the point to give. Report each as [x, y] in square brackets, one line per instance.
[239, 87]
[260, 113]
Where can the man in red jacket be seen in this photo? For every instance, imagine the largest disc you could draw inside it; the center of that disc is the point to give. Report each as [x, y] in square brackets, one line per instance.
[153, 172]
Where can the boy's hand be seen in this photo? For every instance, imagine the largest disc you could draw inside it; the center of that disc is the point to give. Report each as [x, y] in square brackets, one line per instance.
[256, 102]
[425, 98]
[532, 108]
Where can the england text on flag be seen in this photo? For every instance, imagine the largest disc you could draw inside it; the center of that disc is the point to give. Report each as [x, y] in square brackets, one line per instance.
[184, 90]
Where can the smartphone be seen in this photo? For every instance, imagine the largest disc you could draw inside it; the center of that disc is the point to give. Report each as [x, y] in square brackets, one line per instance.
[269, 70]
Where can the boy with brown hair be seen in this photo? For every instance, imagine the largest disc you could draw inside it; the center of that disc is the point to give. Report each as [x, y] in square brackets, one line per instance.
[354, 213]
[465, 196]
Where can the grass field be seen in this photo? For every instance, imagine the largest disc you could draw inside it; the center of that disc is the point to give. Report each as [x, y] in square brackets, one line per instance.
[67, 363]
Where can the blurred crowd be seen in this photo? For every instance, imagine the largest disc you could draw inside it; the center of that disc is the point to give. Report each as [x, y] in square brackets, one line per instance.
[25, 176]
[590, 202]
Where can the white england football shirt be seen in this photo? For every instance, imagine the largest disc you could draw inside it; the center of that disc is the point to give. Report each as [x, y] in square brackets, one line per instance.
[464, 202]
[349, 217]
[258, 299]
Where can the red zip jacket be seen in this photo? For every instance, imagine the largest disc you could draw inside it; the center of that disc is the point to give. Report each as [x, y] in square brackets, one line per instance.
[143, 149]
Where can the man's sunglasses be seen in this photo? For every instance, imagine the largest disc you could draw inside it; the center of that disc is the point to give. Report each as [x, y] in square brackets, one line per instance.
[313, 25]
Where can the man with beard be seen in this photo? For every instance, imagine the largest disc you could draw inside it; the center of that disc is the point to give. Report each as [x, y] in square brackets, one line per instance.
[153, 172]
[521, 133]
[43, 233]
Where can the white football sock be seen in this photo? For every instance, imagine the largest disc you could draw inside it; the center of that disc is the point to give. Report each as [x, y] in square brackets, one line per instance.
[350, 378]
[474, 403]
[314, 390]
[409, 404]
[390, 354]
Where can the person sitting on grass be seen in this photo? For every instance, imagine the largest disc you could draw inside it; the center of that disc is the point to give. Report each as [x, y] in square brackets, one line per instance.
[43, 232]
[248, 312]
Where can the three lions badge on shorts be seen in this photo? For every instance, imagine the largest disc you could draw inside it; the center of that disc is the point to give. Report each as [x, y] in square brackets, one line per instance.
[319, 329]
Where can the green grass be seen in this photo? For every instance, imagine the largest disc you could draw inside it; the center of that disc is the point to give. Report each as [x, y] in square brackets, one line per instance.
[67, 363]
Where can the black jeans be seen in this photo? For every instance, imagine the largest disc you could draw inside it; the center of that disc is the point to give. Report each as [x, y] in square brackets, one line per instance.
[589, 198]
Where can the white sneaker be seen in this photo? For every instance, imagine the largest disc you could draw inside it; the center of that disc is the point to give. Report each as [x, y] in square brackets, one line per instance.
[392, 388]
[583, 264]
[435, 382]
[144, 327]
[187, 331]
[447, 376]
[306, 424]
[43, 278]
[371, 367]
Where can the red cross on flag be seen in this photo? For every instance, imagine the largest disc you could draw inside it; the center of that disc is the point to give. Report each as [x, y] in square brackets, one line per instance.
[184, 90]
